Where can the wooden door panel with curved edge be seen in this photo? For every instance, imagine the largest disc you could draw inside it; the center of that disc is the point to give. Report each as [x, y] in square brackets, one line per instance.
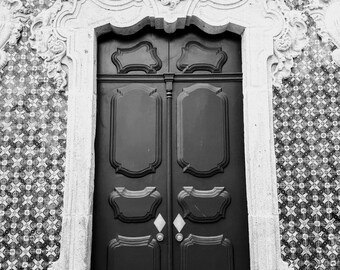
[169, 177]
[130, 172]
[209, 176]
[202, 130]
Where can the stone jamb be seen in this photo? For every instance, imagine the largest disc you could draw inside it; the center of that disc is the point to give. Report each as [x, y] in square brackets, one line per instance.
[269, 43]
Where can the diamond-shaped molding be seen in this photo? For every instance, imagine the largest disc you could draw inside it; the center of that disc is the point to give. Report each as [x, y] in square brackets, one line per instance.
[179, 223]
[159, 222]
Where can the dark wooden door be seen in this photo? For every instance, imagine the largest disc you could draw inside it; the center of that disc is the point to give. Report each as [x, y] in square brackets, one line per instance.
[170, 178]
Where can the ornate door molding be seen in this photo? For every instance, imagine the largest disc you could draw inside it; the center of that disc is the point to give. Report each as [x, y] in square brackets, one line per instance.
[65, 36]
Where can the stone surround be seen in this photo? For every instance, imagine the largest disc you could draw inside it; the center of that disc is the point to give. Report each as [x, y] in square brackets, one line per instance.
[47, 56]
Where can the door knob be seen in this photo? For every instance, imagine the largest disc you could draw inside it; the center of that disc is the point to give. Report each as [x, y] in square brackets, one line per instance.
[159, 224]
[160, 237]
[179, 224]
[179, 237]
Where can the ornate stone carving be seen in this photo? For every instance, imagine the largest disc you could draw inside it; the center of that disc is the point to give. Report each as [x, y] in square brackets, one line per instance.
[222, 4]
[119, 5]
[289, 43]
[12, 17]
[171, 3]
[326, 15]
[95, 17]
[49, 45]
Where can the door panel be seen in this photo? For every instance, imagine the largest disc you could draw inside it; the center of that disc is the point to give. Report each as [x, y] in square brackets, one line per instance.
[224, 215]
[204, 206]
[140, 57]
[170, 178]
[133, 253]
[206, 252]
[141, 53]
[202, 130]
[136, 130]
[198, 57]
[145, 203]
[198, 52]
[127, 198]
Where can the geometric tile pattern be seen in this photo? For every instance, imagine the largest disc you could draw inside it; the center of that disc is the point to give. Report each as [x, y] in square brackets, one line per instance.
[32, 158]
[307, 143]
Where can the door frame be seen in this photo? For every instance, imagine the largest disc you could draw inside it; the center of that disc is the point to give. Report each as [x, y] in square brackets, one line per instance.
[271, 36]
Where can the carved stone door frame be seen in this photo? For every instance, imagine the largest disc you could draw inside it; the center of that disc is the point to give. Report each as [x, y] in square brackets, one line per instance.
[271, 36]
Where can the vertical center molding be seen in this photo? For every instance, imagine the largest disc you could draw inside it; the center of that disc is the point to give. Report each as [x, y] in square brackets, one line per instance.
[169, 79]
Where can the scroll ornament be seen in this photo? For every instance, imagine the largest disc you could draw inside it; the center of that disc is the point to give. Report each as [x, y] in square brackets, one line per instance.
[326, 16]
[171, 3]
[12, 18]
[289, 43]
[49, 46]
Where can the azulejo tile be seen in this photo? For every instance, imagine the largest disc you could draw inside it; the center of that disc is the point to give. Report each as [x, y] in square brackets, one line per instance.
[33, 142]
[307, 143]
[32, 157]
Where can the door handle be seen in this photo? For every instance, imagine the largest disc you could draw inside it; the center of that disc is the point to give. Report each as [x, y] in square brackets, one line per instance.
[179, 224]
[159, 237]
[159, 224]
[179, 237]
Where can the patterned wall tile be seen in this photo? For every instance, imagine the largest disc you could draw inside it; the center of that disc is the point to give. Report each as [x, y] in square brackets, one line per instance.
[307, 143]
[32, 156]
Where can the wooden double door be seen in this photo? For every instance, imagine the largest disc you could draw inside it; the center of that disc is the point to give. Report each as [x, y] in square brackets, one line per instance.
[170, 178]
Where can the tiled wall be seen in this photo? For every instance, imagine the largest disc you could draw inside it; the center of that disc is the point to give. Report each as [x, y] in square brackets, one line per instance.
[32, 157]
[307, 142]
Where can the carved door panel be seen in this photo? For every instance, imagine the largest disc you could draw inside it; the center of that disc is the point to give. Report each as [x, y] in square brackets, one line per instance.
[129, 170]
[208, 176]
[169, 179]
